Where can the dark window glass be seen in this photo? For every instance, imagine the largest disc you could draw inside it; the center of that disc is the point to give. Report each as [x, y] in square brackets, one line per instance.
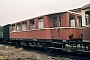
[54, 21]
[87, 20]
[79, 21]
[18, 27]
[60, 22]
[31, 24]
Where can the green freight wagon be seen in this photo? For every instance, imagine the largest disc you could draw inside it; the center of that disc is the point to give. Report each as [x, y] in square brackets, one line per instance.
[4, 32]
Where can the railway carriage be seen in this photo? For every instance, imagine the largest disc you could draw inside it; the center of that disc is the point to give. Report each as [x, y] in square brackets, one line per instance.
[52, 30]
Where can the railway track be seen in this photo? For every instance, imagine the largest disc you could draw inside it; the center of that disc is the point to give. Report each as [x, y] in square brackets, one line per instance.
[52, 52]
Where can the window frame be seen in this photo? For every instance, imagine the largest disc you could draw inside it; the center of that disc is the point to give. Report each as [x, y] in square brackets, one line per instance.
[18, 26]
[32, 25]
[73, 18]
[55, 22]
[60, 21]
[24, 29]
[79, 21]
[13, 28]
[39, 22]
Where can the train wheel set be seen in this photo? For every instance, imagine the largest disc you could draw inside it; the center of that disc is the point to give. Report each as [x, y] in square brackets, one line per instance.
[50, 45]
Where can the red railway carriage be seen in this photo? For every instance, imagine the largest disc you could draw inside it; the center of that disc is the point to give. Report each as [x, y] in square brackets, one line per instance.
[57, 26]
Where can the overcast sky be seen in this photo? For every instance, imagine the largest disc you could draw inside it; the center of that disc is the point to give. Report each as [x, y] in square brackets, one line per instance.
[16, 10]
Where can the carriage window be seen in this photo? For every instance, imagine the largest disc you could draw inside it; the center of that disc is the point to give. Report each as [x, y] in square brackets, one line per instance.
[72, 20]
[87, 19]
[18, 27]
[13, 28]
[40, 23]
[79, 21]
[24, 25]
[87, 13]
[31, 24]
[54, 21]
[60, 21]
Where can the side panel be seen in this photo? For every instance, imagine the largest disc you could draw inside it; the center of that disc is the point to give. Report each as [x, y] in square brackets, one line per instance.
[62, 34]
[86, 33]
[37, 34]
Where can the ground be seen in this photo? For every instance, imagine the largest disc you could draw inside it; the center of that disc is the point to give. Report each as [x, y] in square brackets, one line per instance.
[12, 53]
